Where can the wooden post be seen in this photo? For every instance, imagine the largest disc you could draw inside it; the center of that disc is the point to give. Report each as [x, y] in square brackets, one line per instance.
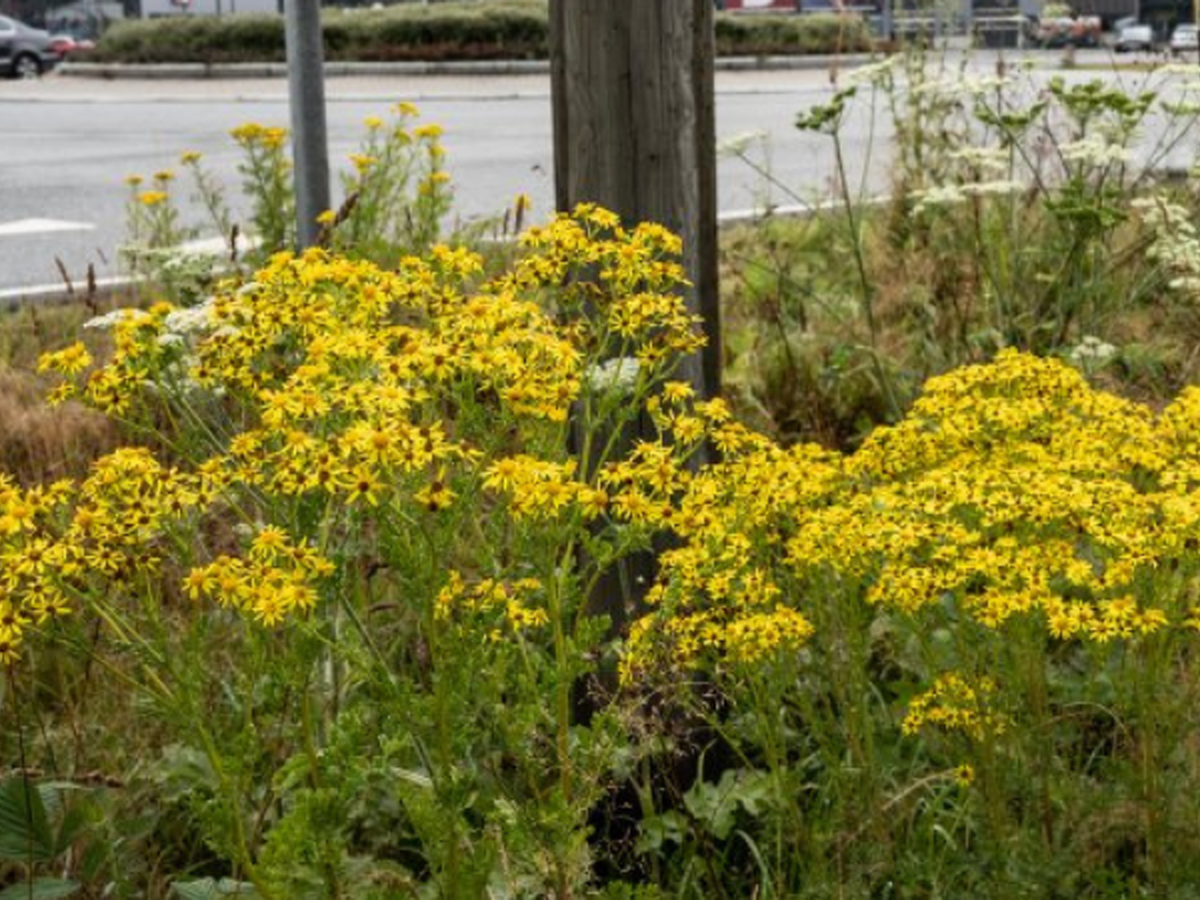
[632, 94]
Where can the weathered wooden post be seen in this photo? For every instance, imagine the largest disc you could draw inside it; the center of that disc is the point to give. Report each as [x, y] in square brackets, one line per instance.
[632, 86]
[632, 90]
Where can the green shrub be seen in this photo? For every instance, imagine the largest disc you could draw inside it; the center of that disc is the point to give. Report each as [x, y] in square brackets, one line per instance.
[177, 40]
[507, 29]
[763, 35]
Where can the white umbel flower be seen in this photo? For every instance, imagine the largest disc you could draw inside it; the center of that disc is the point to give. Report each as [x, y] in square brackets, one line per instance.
[614, 376]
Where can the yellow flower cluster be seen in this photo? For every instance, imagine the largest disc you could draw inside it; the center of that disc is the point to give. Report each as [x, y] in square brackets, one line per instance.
[99, 536]
[1011, 489]
[642, 489]
[68, 361]
[514, 600]
[537, 488]
[141, 351]
[274, 582]
[640, 304]
[719, 595]
[953, 704]
[252, 134]
[383, 394]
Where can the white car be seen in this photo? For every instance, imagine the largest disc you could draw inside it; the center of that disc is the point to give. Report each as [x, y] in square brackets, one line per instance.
[1184, 39]
[1135, 37]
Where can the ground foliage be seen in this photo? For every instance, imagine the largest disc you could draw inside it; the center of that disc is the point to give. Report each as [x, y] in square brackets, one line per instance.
[353, 599]
[1053, 214]
[357, 609]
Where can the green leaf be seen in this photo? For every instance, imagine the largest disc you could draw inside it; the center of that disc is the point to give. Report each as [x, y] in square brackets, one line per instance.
[715, 806]
[210, 889]
[412, 776]
[24, 826]
[75, 824]
[41, 889]
[656, 831]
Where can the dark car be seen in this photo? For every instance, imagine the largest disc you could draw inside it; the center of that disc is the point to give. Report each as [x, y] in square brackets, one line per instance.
[24, 52]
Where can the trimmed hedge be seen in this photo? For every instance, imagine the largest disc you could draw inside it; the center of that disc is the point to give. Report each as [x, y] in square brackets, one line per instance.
[502, 29]
[759, 35]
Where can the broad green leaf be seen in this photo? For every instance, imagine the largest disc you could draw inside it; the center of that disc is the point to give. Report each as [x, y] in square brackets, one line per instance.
[656, 831]
[76, 823]
[715, 806]
[24, 826]
[41, 889]
[211, 889]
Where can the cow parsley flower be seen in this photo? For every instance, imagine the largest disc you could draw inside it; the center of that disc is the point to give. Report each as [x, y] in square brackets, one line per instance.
[614, 376]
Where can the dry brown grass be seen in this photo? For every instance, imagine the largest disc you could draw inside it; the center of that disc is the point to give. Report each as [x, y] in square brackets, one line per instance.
[39, 443]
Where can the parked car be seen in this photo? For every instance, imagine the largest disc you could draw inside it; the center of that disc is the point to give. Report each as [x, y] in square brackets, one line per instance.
[65, 45]
[25, 52]
[1185, 39]
[1135, 38]
[1068, 31]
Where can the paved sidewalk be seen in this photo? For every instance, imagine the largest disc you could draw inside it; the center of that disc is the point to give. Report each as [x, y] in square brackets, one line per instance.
[370, 82]
[472, 69]
[58, 87]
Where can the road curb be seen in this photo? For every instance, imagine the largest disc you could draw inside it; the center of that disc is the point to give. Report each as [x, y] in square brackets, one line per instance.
[200, 71]
[12, 299]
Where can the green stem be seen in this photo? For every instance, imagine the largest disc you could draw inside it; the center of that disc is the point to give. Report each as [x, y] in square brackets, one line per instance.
[866, 292]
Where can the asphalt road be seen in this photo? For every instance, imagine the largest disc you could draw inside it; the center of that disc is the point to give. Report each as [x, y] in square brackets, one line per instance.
[66, 145]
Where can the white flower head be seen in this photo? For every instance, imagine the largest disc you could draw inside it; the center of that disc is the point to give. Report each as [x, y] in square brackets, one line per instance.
[961, 86]
[988, 158]
[942, 195]
[190, 319]
[1092, 350]
[1179, 68]
[998, 188]
[1095, 150]
[876, 73]
[614, 376]
[1175, 245]
[113, 318]
[738, 144]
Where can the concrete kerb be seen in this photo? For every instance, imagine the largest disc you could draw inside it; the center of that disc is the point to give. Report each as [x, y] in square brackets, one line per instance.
[186, 71]
[12, 299]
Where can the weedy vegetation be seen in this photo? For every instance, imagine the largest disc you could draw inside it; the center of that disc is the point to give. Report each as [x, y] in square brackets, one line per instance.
[399, 570]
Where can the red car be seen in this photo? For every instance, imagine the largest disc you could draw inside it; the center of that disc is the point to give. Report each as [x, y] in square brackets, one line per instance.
[759, 5]
[66, 44]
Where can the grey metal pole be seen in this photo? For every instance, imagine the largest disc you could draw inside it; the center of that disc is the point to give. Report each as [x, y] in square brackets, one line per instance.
[306, 96]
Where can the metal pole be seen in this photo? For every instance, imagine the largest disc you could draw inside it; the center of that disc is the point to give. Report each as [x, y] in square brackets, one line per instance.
[306, 95]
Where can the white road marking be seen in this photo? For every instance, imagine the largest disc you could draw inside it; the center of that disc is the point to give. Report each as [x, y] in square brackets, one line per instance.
[41, 226]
